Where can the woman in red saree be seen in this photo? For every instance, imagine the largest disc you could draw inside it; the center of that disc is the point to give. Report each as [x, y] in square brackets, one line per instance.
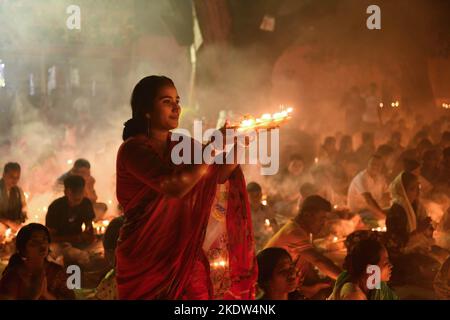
[167, 208]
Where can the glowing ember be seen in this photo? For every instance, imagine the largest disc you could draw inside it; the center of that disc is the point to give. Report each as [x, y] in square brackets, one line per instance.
[395, 104]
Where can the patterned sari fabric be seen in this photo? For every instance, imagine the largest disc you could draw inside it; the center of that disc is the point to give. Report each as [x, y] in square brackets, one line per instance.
[159, 254]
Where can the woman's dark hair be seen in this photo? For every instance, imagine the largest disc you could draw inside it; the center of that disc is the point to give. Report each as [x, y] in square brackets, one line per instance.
[142, 98]
[365, 252]
[408, 179]
[24, 235]
[267, 261]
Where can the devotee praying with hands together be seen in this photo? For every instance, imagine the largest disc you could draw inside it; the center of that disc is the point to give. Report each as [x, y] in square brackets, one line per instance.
[29, 275]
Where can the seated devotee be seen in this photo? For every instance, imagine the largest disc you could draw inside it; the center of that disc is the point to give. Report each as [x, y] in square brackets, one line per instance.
[29, 275]
[413, 166]
[356, 282]
[395, 141]
[441, 283]
[328, 152]
[296, 237]
[388, 157]
[366, 148]
[263, 217]
[409, 231]
[277, 277]
[67, 215]
[288, 183]
[323, 179]
[368, 192]
[430, 165]
[345, 148]
[107, 289]
[82, 168]
[13, 208]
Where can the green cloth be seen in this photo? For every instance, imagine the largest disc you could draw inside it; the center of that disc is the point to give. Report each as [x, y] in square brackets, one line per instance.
[384, 293]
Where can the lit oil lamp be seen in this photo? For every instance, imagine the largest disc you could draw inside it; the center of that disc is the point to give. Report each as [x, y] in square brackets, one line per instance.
[266, 121]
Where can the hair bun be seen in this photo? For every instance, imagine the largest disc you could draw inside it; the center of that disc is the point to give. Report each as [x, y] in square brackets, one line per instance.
[133, 127]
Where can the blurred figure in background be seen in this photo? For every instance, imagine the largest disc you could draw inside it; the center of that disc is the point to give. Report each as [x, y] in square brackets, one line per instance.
[345, 148]
[368, 192]
[81, 168]
[372, 116]
[263, 217]
[107, 289]
[69, 220]
[13, 207]
[328, 151]
[366, 149]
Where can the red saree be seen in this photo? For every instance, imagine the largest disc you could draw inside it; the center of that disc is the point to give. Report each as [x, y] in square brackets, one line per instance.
[159, 254]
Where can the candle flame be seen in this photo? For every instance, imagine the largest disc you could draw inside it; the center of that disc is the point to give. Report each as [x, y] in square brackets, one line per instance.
[267, 223]
[83, 227]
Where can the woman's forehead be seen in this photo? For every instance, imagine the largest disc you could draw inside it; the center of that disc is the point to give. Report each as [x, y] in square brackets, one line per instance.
[168, 91]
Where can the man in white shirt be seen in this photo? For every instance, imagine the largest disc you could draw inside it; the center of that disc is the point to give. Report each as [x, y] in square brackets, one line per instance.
[368, 191]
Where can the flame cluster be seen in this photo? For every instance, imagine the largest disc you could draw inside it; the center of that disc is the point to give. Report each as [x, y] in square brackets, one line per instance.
[267, 120]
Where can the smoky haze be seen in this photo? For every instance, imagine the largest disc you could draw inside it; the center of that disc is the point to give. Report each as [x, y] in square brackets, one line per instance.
[316, 53]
